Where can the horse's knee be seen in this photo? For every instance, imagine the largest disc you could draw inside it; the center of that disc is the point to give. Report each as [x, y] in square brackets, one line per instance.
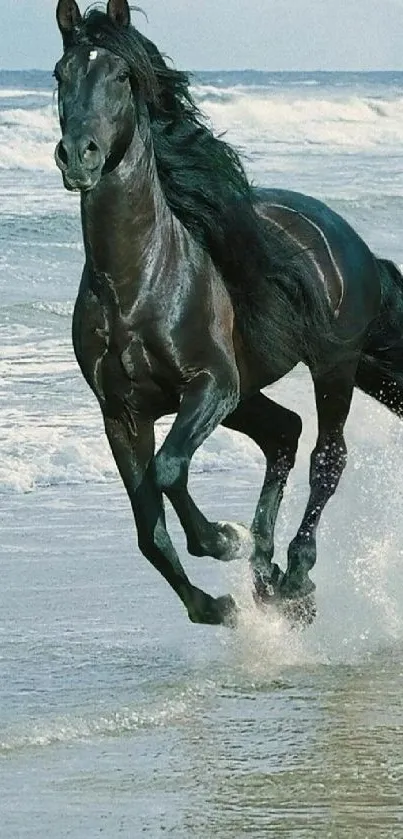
[145, 540]
[152, 539]
[171, 472]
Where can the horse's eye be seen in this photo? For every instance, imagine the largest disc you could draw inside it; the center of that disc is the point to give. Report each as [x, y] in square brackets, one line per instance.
[123, 76]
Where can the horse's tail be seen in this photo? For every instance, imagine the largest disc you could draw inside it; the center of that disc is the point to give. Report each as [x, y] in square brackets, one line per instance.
[380, 370]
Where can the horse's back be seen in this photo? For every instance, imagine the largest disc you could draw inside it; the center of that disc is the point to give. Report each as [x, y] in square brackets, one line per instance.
[340, 258]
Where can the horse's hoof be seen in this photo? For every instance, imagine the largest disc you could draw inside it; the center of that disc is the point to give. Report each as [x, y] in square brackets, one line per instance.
[296, 599]
[237, 541]
[229, 610]
[299, 612]
[213, 610]
[291, 598]
[267, 584]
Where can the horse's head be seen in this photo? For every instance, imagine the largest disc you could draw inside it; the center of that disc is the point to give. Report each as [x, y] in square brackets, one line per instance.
[102, 69]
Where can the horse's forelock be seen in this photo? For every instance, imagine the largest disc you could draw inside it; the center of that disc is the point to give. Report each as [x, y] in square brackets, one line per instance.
[97, 29]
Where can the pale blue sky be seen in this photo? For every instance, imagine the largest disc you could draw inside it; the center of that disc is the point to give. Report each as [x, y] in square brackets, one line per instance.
[228, 34]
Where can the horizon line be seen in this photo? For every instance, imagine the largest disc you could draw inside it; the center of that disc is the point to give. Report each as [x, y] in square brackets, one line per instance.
[234, 70]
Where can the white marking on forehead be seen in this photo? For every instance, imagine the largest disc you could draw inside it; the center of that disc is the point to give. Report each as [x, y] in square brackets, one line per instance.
[93, 55]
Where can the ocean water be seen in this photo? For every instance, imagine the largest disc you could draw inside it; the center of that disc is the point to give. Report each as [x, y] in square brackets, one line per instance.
[117, 716]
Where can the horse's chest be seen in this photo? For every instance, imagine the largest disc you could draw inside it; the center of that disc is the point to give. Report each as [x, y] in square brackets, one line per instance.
[124, 361]
[135, 365]
[136, 360]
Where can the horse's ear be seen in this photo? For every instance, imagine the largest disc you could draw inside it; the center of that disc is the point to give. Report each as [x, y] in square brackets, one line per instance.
[68, 16]
[119, 11]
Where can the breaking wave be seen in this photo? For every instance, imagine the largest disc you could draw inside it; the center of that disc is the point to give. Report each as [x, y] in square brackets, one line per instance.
[334, 121]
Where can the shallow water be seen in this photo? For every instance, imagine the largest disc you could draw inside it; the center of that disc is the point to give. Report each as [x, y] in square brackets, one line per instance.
[117, 716]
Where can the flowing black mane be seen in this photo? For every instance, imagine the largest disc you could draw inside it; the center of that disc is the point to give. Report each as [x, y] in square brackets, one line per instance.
[206, 187]
[183, 144]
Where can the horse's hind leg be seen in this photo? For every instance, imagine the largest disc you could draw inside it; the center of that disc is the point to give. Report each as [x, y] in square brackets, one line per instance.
[333, 392]
[276, 430]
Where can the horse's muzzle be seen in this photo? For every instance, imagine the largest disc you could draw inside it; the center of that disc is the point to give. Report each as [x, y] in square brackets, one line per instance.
[80, 161]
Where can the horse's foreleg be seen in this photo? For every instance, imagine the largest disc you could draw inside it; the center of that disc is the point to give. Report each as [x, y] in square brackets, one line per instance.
[206, 402]
[222, 540]
[333, 393]
[276, 430]
[132, 444]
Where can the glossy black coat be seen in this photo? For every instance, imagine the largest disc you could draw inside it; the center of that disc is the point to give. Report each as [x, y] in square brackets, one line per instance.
[196, 293]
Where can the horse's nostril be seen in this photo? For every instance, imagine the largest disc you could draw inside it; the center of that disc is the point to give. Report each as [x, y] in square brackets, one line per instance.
[62, 153]
[91, 155]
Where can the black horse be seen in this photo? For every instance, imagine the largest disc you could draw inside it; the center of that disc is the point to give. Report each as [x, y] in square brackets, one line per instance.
[197, 292]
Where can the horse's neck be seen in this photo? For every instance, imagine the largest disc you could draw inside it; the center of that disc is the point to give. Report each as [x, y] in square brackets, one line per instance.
[127, 224]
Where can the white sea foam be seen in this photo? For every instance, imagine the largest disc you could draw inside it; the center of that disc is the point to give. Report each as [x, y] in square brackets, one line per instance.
[28, 138]
[349, 123]
[71, 728]
[53, 307]
[72, 449]
[16, 93]
[337, 123]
